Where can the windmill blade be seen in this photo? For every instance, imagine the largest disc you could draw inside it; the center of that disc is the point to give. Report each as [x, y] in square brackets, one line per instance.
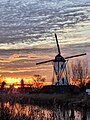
[75, 55]
[57, 44]
[44, 62]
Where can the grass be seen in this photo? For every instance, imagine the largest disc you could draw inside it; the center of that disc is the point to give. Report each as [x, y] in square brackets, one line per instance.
[46, 99]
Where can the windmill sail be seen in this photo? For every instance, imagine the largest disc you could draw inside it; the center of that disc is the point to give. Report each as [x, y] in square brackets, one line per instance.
[75, 55]
[44, 62]
[65, 58]
[57, 44]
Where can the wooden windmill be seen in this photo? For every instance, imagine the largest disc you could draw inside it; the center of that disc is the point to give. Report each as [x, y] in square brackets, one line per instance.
[59, 67]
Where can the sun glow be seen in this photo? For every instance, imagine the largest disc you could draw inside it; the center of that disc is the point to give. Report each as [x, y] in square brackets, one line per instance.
[10, 80]
[16, 82]
[16, 87]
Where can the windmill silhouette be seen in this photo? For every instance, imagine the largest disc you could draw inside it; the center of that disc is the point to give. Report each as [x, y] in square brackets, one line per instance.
[59, 66]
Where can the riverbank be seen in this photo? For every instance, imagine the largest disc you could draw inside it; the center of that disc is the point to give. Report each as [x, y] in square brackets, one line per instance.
[67, 100]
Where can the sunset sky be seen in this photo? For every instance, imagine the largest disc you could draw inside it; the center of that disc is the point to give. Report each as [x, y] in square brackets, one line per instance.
[27, 30]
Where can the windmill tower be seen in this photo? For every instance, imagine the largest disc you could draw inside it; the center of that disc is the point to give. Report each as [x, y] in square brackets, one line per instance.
[59, 67]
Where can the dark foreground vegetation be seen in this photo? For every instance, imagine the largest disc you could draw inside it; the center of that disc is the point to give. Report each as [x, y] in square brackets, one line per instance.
[68, 94]
[67, 97]
[57, 103]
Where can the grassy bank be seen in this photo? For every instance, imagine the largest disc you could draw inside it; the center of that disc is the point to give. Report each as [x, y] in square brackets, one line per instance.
[46, 99]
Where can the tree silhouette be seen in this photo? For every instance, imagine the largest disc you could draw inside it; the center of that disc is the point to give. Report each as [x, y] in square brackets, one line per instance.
[3, 84]
[38, 81]
[79, 71]
[22, 83]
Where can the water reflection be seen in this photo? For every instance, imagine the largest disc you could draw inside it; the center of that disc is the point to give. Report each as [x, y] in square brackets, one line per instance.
[32, 112]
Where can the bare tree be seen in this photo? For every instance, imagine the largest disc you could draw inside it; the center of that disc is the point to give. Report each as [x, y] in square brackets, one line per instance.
[38, 81]
[79, 71]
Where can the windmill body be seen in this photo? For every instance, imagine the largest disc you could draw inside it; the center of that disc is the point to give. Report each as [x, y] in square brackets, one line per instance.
[59, 67]
[59, 71]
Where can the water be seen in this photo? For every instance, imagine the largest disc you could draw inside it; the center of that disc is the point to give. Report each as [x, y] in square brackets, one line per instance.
[38, 113]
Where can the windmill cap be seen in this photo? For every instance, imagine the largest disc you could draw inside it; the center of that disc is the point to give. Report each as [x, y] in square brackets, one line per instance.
[59, 58]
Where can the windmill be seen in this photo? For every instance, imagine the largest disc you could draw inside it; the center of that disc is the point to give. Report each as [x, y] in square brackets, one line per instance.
[59, 66]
